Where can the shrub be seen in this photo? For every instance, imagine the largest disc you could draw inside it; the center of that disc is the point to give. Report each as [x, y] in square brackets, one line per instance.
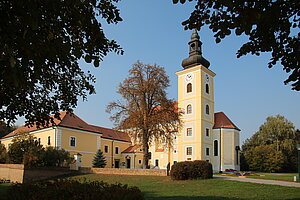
[3, 154]
[197, 169]
[74, 189]
[56, 157]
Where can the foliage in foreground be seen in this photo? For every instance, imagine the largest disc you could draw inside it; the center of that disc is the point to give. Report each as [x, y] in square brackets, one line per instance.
[41, 45]
[272, 148]
[198, 169]
[99, 160]
[271, 26]
[73, 190]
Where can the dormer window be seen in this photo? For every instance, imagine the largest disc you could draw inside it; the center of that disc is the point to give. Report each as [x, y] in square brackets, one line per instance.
[189, 88]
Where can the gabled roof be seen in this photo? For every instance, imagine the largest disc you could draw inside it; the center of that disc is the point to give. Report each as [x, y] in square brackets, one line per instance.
[222, 121]
[70, 120]
[112, 134]
[131, 149]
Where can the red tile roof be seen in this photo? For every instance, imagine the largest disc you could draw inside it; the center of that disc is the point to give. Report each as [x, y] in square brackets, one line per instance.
[112, 134]
[222, 121]
[159, 150]
[70, 120]
[131, 149]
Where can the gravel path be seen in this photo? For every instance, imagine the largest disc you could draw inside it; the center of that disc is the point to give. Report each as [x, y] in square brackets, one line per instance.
[261, 181]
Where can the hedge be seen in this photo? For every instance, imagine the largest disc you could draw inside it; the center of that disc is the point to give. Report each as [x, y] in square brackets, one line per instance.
[198, 169]
[75, 190]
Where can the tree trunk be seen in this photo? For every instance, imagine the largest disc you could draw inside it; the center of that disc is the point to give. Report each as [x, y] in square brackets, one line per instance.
[146, 153]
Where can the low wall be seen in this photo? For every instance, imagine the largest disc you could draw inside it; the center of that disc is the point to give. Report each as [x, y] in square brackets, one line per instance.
[17, 173]
[44, 173]
[121, 171]
[12, 172]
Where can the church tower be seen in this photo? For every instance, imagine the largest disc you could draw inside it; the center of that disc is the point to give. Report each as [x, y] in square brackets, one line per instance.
[196, 99]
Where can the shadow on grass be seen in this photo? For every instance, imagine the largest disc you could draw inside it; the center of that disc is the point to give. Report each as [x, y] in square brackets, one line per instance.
[189, 198]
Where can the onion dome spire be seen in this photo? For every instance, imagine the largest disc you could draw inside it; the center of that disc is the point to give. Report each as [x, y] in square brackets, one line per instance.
[195, 53]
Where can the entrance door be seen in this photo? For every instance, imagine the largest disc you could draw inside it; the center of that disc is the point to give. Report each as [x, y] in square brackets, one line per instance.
[128, 163]
[117, 163]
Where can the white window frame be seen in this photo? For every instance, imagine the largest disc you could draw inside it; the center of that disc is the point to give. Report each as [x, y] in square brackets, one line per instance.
[189, 109]
[71, 140]
[107, 149]
[49, 140]
[189, 151]
[189, 134]
[118, 150]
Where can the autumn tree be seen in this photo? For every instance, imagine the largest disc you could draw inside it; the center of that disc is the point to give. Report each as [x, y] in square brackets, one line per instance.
[277, 133]
[145, 109]
[41, 44]
[271, 26]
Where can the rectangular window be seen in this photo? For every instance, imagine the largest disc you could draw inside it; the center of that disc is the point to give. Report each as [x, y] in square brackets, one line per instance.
[117, 150]
[189, 132]
[189, 151]
[140, 162]
[207, 132]
[189, 159]
[72, 141]
[49, 140]
[156, 163]
[105, 149]
[175, 162]
[39, 141]
[207, 151]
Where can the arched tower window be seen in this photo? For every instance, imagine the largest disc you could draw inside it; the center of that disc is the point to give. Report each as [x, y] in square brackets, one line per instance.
[216, 148]
[189, 109]
[207, 109]
[189, 87]
[207, 88]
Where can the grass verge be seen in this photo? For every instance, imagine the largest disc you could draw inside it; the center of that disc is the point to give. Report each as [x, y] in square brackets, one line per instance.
[163, 188]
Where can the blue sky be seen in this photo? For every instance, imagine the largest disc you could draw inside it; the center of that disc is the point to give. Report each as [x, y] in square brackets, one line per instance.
[246, 90]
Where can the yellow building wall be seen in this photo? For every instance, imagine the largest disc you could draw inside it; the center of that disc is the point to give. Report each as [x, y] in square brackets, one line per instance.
[111, 155]
[198, 119]
[42, 134]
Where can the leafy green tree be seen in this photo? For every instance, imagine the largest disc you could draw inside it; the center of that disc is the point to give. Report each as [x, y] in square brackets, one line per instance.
[99, 160]
[271, 26]
[278, 133]
[3, 154]
[25, 149]
[41, 44]
[265, 158]
[145, 109]
[56, 157]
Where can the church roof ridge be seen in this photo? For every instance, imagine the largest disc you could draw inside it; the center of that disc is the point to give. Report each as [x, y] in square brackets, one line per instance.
[222, 121]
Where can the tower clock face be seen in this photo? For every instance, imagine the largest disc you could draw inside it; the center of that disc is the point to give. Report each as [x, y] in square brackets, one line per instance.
[206, 78]
[189, 77]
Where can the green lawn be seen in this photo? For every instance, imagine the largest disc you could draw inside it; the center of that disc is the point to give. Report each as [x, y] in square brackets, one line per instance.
[275, 176]
[3, 189]
[163, 188]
